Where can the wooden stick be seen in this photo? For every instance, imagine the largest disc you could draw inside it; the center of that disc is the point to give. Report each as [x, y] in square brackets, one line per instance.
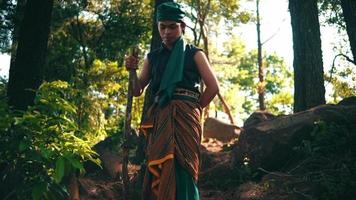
[127, 129]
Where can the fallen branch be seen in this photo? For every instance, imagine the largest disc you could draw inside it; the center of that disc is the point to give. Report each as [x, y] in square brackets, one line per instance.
[280, 174]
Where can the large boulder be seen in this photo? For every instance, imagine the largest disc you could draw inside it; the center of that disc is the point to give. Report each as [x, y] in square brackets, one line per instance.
[257, 117]
[111, 160]
[348, 101]
[214, 128]
[269, 143]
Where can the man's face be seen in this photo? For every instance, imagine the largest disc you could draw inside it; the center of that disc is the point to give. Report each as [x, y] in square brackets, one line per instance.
[170, 31]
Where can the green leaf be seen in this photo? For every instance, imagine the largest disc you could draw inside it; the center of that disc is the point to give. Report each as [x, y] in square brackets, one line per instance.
[56, 192]
[75, 163]
[70, 108]
[45, 152]
[59, 171]
[38, 190]
[23, 146]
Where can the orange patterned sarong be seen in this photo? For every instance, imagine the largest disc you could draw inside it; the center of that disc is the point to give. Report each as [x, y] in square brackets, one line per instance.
[173, 135]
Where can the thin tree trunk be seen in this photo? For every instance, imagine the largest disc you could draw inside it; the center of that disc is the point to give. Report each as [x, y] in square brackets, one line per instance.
[349, 12]
[202, 20]
[74, 187]
[82, 43]
[156, 42]
[226, 108]
[261, 76]
[201, 17]
[205, 41]
[309, 90]
[156, 39]
[26, 71]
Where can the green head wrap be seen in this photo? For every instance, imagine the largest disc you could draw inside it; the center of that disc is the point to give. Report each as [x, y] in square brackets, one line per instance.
[170, 11]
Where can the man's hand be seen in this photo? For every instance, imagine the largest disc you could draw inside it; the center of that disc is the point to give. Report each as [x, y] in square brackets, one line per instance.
[131, 62]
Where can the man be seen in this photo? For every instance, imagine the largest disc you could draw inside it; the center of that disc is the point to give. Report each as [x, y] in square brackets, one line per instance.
[173, 128]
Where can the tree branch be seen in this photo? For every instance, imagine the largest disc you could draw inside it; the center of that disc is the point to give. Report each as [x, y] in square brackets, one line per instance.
[333, 65]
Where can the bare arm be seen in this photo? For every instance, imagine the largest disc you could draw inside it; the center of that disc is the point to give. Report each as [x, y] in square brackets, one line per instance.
[210, 81]
[141, 81]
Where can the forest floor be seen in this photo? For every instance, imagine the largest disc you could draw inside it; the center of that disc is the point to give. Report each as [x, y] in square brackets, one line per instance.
[99, 185]
[306, 155]
[215, 151]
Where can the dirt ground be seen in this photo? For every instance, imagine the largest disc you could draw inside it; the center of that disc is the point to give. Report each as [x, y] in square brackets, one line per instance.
[101, 186]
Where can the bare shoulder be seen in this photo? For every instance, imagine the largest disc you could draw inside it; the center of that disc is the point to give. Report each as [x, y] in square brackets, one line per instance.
[200, 56]
[201, 61]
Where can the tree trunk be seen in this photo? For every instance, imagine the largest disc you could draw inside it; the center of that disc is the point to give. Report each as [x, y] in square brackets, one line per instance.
[26, 71]
[349, 12]
[156, 39]
[261, 76]
[74, 187]
[309, 90]
[201, 18]
[156, 42]
[18, 18]
[226, 109]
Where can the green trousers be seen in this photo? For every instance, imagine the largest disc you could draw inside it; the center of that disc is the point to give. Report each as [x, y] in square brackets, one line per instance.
[186, 189]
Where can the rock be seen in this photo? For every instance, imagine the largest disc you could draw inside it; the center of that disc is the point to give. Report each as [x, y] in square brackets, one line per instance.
[268, 144]
[281, 187]
[248, 191]
[220, 176]
[111, 162]
[99, 189]
[348, 101]
[257, 117]
[210, 159]
[214, 128]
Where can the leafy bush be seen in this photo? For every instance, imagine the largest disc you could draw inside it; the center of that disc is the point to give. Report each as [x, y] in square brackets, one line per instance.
[45, 144]
[41, 147]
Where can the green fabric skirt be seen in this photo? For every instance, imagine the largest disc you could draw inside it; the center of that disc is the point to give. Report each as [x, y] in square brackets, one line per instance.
[186, 189]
